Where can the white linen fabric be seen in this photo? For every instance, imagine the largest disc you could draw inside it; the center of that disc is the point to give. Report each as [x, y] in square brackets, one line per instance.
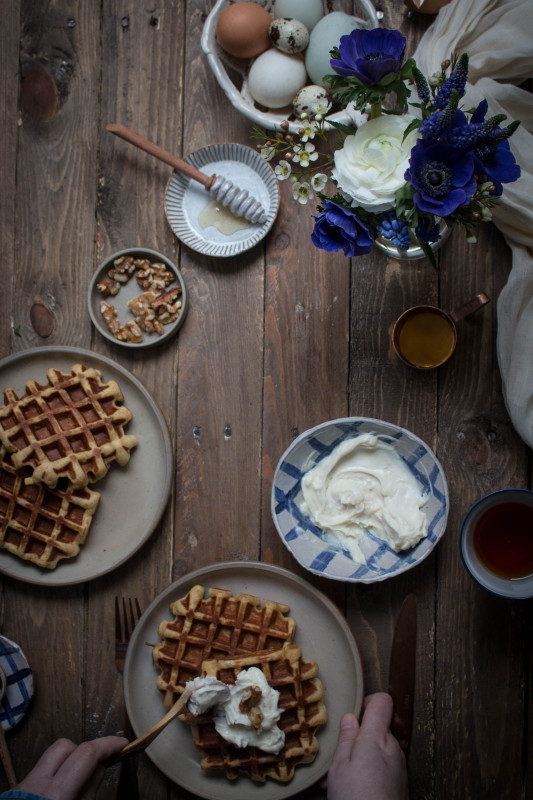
[498, 37]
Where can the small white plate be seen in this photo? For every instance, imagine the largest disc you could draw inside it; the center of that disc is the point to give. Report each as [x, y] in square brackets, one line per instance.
[127, 292]
[185, 198]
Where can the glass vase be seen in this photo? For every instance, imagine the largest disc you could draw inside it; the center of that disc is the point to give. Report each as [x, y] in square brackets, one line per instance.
[414, 251]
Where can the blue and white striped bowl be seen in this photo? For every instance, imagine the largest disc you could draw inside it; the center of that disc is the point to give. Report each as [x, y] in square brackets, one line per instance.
[318, 551]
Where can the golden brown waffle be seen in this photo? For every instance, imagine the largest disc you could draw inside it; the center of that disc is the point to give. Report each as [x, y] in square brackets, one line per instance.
[302, 700]
[39, 524]
[215, 626]
[70, 428]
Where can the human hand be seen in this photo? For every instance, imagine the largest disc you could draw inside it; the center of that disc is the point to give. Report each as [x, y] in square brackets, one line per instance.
[368, 763]
[67, 771]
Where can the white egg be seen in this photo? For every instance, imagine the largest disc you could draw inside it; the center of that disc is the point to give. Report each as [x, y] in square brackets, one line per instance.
[288, 35]
[307, 11]
[275, 77]
[325, 35]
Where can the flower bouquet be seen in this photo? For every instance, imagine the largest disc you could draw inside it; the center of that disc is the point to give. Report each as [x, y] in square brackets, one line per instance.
[404, 171]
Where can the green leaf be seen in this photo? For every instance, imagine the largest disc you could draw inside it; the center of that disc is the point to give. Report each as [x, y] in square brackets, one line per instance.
[413, 126]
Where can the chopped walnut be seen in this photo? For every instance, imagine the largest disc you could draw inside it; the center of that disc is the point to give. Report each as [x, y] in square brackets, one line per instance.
[108, 287]
[123, 269]
[249, 705]
[109, 313]
[145, 315]
[154, 276]
[130, 332]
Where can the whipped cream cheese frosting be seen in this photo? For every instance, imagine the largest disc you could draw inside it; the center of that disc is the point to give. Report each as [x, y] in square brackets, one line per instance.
[364, 486]
[245, 713]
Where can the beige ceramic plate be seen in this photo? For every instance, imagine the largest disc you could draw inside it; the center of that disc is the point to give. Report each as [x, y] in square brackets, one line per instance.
[133, 498]
[322, 633]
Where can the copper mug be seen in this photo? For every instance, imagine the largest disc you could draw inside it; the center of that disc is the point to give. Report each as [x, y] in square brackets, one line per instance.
[425, 336]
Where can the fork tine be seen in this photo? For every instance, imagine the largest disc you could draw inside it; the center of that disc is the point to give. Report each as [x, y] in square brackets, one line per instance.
[118, 622]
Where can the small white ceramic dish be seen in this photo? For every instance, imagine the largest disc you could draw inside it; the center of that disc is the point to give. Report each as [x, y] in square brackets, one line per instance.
[512, 588]
[127, 292]
[185, 198]
[231, 73]
[320, 553]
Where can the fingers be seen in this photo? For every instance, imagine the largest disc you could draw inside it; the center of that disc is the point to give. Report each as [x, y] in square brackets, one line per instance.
[52, 758]
[378, 713]
[82, 763]
[348, 731]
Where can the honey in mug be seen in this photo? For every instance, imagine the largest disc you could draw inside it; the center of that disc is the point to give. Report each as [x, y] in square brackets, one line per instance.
[427, 338]
[503, 540]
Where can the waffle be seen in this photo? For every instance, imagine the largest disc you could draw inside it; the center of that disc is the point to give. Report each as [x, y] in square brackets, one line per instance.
[39, 524]
[70, 428]
[215, 627]
[302, 700]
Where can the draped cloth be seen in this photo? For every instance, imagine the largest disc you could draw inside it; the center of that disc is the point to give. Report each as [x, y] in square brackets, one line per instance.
[498, 37]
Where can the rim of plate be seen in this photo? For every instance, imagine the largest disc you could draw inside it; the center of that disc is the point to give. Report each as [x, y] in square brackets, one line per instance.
[178, 184]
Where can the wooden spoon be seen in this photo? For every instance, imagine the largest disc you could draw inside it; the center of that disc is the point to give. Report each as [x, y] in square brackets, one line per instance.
[140, 744]
[237, 200]
[4, 752]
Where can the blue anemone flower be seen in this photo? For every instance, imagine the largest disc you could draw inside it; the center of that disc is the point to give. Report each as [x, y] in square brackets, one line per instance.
[369, 55]
[338, 228]
[443, 177]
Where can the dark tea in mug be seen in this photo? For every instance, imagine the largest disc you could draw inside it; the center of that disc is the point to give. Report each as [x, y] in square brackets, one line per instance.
[503, 539]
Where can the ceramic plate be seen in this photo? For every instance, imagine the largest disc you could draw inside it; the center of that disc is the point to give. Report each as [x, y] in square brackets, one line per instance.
[126, 293]
[185, 199]
[319, 552]
[321, 632]
[133, 497]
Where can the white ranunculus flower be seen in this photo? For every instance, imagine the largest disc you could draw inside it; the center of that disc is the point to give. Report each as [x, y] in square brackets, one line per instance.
[370, 166]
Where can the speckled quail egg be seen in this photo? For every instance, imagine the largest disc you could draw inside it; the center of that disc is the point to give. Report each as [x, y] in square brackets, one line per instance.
[311, 100]
[288, 35]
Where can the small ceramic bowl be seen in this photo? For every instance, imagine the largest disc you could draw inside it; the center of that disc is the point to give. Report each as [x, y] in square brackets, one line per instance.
[127, 292]
[475, 560]
[316, 550]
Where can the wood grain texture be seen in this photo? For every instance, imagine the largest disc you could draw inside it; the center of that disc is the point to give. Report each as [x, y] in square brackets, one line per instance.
[276, 340]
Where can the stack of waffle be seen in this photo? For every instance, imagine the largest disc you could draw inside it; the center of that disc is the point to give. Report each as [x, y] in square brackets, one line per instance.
[56, 439]
[221, 634]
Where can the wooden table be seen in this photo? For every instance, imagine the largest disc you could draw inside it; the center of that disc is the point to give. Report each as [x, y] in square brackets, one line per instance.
[277, 340]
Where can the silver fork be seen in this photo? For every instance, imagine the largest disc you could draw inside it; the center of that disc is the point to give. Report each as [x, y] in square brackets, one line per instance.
[127, 615]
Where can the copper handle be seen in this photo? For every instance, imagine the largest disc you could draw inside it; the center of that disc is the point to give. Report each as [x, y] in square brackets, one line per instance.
[471, 307]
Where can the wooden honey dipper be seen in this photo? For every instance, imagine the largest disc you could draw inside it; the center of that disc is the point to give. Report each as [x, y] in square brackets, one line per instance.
[237, 200]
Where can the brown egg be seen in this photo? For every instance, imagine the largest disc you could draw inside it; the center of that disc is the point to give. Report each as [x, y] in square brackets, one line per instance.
[242, 30]
[426, 6]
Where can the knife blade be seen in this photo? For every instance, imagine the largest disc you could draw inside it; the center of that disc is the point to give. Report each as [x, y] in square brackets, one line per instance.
[402, 668]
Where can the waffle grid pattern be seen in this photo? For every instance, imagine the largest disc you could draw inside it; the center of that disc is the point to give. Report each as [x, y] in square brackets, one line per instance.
[71, 428]
[303, 712]
[215, 627]
[39, 524]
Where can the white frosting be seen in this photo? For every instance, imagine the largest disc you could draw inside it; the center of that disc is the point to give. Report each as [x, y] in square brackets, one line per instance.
[258, 726]
[363, 485]
[207, 692]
